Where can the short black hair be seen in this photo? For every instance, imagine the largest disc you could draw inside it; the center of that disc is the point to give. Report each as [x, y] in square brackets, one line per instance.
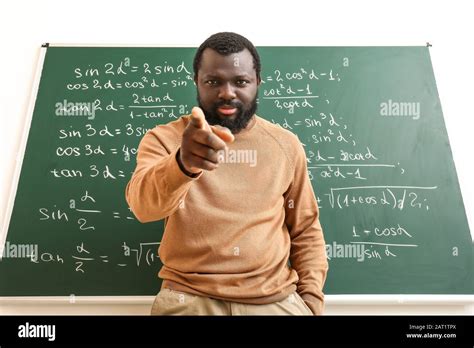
[226, 43]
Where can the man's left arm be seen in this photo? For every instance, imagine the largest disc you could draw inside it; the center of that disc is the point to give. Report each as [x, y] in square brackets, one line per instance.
[308, 249]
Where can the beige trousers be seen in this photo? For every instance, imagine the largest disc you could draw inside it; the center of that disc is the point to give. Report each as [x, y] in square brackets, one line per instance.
[171, 302]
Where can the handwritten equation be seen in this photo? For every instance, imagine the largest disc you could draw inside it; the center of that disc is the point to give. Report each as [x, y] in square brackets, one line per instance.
[82, 258]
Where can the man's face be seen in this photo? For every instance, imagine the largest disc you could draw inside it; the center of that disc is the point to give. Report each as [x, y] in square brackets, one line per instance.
[227, 88]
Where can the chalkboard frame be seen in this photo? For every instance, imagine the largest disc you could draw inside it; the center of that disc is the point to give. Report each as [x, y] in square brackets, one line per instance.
[332, 299]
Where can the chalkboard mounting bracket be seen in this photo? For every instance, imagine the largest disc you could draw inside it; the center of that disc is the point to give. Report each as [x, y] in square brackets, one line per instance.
[429, 45]
[46, 44]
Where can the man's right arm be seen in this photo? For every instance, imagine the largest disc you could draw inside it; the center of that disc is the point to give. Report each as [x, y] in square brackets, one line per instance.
[158, 185]
[161, 180]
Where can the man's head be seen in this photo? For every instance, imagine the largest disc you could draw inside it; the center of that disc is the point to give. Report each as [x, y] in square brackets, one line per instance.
[227, 75]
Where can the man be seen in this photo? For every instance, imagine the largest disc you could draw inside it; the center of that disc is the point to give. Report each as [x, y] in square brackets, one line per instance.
[236, 196]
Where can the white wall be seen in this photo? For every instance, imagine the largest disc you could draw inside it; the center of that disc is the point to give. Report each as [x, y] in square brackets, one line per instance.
[25, 25]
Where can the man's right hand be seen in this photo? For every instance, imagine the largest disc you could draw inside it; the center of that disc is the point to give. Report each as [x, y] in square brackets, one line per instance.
[201, 143]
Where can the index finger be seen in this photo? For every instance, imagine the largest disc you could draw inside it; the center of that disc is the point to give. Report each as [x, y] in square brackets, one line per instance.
[198, 119]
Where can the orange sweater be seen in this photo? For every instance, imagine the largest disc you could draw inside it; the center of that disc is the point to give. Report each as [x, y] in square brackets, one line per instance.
[229, 233]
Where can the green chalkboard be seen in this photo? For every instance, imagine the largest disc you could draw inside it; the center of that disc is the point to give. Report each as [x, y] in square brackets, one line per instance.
[371, 124]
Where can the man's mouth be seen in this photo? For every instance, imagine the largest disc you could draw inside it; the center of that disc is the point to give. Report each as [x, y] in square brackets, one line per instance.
[226, 110]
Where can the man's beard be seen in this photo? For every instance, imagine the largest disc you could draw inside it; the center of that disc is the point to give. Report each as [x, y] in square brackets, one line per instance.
[235, 125]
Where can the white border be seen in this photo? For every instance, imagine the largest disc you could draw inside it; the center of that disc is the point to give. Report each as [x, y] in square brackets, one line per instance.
[21, 151]
[329, 299]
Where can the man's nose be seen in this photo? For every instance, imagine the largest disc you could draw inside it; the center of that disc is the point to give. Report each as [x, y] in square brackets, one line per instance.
[226, 92]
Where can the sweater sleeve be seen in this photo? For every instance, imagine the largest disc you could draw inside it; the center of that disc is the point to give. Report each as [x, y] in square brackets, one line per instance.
[308, 250]
[158, 186]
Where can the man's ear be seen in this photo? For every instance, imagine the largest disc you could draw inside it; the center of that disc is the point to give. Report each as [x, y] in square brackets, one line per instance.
[259, 80]
[195, 79]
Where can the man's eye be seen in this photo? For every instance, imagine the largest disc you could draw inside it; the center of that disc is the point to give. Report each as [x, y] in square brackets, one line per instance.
[242, 82]
[211, 82]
